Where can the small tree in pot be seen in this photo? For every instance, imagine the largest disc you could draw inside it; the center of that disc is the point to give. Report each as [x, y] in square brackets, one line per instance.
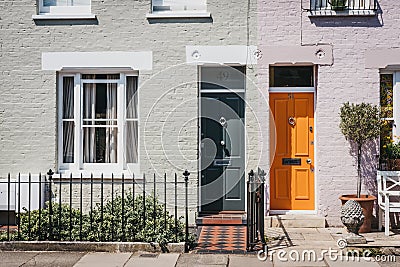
[360, 123]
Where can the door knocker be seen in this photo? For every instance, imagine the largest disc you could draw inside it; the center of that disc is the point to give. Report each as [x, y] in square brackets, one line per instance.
[222, 121]
[292, 121]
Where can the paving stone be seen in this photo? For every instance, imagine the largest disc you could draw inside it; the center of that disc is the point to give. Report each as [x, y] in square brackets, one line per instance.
[296, 236]
[15, 258]
[103, 259]
[52, 259]
[332, 230]
[253, 261]
[162, 260]
[306, 263]
[345, 261]
[192, 260]
[298, 256]
[392, 262]
[301, 230]
[318, 236]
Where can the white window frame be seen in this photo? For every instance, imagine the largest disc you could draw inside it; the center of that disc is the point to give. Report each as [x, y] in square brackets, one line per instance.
[64, 10]
[176, 11]
[396, 101]
[78, 166]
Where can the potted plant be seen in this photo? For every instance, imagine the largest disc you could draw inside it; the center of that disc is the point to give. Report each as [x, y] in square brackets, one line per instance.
[338, 4]
[360, 123]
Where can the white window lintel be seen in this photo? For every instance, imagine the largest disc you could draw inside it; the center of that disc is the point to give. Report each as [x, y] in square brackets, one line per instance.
[58, 61]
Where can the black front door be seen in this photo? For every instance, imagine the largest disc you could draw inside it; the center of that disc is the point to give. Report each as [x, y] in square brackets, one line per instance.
[222, 152]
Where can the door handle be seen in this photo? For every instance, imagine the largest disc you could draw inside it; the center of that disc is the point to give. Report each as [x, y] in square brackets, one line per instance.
[309, 161]
[227, 153]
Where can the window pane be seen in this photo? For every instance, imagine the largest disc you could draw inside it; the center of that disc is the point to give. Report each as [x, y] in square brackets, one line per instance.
[101, 76]
[386, 91]
[68, 141]
[100, 145]
[386, 136]
[68, 97]
[80, 2]
[223, 77]
[179, 5]
[55, 2]
[292, 76]
[100, 101]
[66, 2]
[131, 97]
[131, 147]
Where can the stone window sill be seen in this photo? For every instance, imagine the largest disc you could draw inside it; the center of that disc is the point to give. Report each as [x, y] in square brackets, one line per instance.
[171, 15]
[63, 16]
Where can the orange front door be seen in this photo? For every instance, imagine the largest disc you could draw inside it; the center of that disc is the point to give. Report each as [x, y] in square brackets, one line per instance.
[292, 147]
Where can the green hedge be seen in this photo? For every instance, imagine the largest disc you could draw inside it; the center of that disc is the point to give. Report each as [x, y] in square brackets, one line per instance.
[103, 227]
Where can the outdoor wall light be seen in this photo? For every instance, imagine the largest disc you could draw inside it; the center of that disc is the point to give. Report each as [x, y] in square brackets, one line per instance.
[196, 55]
[320, 54]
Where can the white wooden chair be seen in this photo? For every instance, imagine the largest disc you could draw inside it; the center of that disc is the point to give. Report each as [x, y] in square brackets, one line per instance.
[388, 196]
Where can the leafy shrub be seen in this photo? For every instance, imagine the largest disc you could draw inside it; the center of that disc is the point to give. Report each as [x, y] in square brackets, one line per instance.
[136, 227]
[136, 223]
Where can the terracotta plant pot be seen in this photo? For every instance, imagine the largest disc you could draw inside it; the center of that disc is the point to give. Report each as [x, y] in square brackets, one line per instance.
[367, 204]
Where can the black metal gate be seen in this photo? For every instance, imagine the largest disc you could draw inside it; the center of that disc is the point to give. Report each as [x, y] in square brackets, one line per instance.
[255, 211]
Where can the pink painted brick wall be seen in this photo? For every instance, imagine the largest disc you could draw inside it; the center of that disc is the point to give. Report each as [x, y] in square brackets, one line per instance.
[284, 22]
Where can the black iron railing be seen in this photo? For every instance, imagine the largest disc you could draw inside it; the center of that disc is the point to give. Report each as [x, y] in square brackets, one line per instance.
[343, 5]
[59, 208]
[255, 211]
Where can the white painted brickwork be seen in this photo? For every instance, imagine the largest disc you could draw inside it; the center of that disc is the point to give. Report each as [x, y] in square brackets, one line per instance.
[168, 93]
[284, 22]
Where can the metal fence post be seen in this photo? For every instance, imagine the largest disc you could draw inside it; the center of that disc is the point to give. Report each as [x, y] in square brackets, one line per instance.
[50, 174]
[250, 210]
[19, 207]
[186, 175]
[8, 206]
[262, 174]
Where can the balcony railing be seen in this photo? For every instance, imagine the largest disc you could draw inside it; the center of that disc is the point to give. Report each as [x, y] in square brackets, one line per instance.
[343, 5]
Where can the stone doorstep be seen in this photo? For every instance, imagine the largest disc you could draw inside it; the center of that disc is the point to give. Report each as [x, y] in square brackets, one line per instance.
[295, 221]
[221, 219]
[112, 247]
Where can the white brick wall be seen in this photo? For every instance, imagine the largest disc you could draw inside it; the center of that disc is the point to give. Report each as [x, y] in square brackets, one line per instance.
[28, 133]
[283, 22]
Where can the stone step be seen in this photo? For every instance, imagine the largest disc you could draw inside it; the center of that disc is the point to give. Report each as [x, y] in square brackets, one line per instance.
[222, 219]
[295, 221]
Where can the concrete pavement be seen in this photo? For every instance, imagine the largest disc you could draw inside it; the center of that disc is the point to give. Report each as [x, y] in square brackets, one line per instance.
[287, 247]
[102, 259]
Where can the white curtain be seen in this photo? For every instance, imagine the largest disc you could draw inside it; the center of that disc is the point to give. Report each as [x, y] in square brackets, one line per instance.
[131, 123]
[89, 141]
[111, 132]
[68, 125]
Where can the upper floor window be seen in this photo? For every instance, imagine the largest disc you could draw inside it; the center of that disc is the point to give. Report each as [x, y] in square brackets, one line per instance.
[64, 7]
[343, 7]
[186, 8]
